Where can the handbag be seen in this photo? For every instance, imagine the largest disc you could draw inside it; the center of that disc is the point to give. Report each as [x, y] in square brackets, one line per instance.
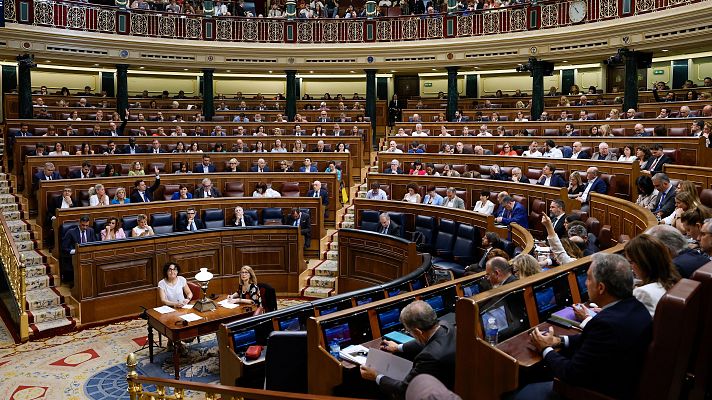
[253, 352]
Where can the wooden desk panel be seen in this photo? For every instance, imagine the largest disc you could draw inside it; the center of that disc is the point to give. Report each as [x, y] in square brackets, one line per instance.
[113, 279]
[700, 176]
[624, 217]
[247, 257]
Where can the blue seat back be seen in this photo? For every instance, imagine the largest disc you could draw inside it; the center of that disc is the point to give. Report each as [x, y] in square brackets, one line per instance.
[426, 225]
[161, 223]
[128, 222]
[369, 220]
[446, 235]
[399, 219]
[272, 216]
[214, 218]
[253, 214]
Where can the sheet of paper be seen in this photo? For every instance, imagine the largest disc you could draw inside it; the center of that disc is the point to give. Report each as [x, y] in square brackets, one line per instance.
[164, 309]
[355, 353]
[388, 364]
[225, 303]
[188, 306]
[191, 317]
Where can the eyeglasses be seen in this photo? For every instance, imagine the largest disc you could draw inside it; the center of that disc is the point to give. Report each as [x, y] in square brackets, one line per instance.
[172, 269]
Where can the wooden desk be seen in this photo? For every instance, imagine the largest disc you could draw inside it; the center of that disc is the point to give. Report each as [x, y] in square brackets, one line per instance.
[523, 351]
[170, 326]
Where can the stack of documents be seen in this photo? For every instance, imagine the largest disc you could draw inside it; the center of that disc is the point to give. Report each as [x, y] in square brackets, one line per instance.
[354, 353]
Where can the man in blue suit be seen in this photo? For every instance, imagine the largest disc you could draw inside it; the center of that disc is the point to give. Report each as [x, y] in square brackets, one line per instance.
[513, 212]
[205, 167]
[308, 167]
[260, 167]
[318, 191]
[608, 355]
[48, 174]
[76, 235]
[549, 178]
[594, 184]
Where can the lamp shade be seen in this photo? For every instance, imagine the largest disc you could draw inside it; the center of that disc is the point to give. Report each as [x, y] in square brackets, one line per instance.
[204, 275]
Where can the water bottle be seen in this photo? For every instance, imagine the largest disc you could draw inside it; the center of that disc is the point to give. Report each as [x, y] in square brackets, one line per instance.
[334, 349]
[491, 331]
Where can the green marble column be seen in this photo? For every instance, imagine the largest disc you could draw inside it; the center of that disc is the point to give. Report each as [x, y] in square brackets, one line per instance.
[291, 108]
[24, 85]
[371, 103]
[208, 97]
[452, 93]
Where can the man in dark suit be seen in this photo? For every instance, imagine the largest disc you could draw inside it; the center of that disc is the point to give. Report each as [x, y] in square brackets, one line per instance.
[190, 222]
[318, 191]
[432, 351]
[594, 183]
[394, 168]
[76, 235]
[686, 260]
[558, 217]
[656, 162]
[301, 219]
[84, 173]
[48, 174]
[132, 147]
[666, 197]
[578, 153]
[513, 212]
[499, 271]
[388, 227]
[607, 356]
[395, 110]
[142, 193]
[40, 150]
[206, 167]
[260, 167]
[639, 130]
[308, 167]
[242, 219]
[206, 190]
[156, 147]
[63, 201]
[549, 178]
[490, 241]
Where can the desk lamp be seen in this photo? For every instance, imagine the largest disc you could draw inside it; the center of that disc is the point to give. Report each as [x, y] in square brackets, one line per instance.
[204, 304]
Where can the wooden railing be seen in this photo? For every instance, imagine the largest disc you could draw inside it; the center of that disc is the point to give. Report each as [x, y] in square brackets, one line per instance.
[519, 18]
[13, 268]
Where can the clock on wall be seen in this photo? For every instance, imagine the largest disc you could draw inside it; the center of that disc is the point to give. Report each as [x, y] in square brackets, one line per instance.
[577, 11]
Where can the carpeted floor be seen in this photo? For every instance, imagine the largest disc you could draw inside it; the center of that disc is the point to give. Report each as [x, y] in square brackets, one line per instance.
[90, 364]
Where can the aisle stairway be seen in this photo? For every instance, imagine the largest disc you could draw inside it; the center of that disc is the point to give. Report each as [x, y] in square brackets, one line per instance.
[47, 311]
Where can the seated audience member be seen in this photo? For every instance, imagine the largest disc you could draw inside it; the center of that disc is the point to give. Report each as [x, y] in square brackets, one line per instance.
[653, 266]
[173, 289]
[558, 217]
[513, 212]
[430, 170]
[136, 169]
[490, 242]
[331, 168]
[449, 171]
[242, 219]
[705, 239]
[262, 190]
[318, 191]
[507, 150]
[98, 196]
[302, 220]
[190, 222]
[113, 230]
[248, 292]
[627, 155]
[496, 173]
[656, 162]
[308, 167]
[84, 173]
[142, 228]
[432, 351]
[132, 147]
[376, 193]
[647, 194]
[75, 235]
[205, 167]
[576, 185]
[608, 356]
[120, 197]
[393, 147]
[58, 150]
[484, 205]
[142, 193]
[451, 200]
[233, 165]
[415, 148]
[109, 170]
[686, 260]
[551, 151]
[517, 175]
[394, 168]
[549, 178]
[524, 265]
[665, 203]
[260, 167]
[47, 174]
[432, 197]
[683, 201]
[499, 271]
[206, 190]
[412, 195]
[603, 154]
[578, 152]
[593, 184]
[417, 169]
[533, 150]
[63, 201]
[387, 227]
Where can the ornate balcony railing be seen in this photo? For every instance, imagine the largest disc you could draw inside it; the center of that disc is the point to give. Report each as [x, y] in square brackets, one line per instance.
[527, 17]
[13, 269]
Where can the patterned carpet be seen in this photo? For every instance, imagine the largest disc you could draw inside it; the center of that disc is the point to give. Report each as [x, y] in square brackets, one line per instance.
[90, 364]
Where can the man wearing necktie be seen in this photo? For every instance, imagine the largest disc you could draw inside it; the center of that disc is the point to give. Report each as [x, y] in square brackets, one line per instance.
[387, 227]
[242, 219]
[191, 222]
[80, 234]
[558, 216]
[666, 198]
[318, 191]
[142, 193]
[302, 220]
